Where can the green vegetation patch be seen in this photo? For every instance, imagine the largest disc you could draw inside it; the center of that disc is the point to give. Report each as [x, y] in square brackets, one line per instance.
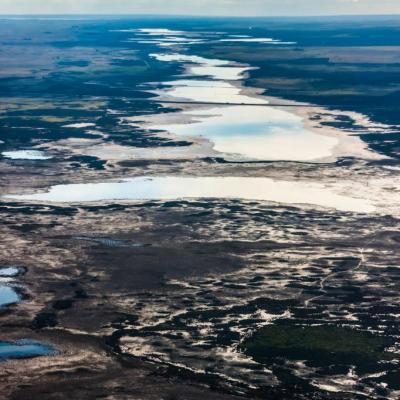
[320, 344]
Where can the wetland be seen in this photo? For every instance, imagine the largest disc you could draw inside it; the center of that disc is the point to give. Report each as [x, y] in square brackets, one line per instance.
[199, 208]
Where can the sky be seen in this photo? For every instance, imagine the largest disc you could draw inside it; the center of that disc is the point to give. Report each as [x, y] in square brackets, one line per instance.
[202, 7]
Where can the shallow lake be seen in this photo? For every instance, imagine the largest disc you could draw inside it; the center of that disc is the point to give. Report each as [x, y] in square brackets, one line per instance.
[253, 132]
[24, 349]
[8, 295]
[26, 155]
[168, 188]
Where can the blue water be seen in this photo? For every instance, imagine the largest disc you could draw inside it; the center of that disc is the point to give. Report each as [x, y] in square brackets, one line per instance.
[254, 133]
[8, 296]
[10, 272]
[189, 187]
[24, 349]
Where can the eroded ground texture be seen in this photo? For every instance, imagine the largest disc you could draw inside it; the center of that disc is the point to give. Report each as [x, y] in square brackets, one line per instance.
[211, 297]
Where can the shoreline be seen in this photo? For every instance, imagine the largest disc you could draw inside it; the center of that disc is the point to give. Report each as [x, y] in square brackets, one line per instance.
[156, 298]
[347, 146]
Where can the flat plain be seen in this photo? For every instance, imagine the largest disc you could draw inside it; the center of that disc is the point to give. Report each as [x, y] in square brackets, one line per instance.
[197, 207]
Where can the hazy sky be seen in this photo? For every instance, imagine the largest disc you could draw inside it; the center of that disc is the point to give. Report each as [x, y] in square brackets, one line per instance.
[208, 7]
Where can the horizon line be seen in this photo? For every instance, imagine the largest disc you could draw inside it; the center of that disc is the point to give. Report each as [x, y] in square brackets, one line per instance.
[193, 15]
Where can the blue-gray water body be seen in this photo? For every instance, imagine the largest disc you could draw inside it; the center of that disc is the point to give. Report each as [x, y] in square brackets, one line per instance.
[9, 295]
[24, 349]
[9, 272]
[8, 292]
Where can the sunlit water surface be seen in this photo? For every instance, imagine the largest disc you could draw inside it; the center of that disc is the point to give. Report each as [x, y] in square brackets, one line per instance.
[26, 155]
[146, 188]
[23, 349]
[249, 132]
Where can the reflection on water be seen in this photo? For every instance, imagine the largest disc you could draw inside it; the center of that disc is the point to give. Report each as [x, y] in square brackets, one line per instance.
[256, 40]
[255, 133]
[249, 132]
[144, 188]
[209, 91]
[200, 66]
[161, 37]
[156, 32]
[25, 155]
[80, 125]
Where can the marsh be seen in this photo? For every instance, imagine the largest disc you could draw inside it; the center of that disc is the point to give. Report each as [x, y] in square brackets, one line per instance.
[197, 206]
